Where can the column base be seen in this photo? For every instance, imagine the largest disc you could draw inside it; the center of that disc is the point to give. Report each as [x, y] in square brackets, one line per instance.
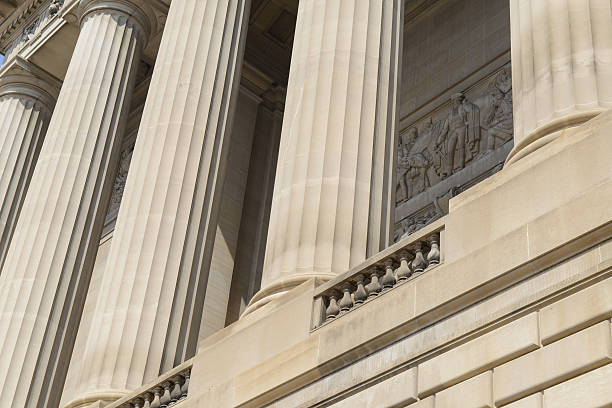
[281, 287]
[97, 399]
[549, 132]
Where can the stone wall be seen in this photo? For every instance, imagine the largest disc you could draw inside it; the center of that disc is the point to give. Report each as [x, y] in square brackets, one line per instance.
[518, 314]
[452, 50]
[526, 347]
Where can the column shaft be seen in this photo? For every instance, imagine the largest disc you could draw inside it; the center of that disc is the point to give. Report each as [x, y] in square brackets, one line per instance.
[46, 273]
[154, 283]
[330, 201]
[561, 66]
[25, 112]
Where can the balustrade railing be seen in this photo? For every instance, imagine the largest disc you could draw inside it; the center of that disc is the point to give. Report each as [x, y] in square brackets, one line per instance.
[166, 391]
[403, 261]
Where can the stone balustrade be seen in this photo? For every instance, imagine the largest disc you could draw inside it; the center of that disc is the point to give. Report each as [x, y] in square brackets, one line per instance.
[166, 391]
[410, 257]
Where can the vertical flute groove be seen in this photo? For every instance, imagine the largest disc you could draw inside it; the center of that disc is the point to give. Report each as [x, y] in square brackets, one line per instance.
[61, 221]
[25, 121]
[149, 320]
[562, 64]
[321, 220]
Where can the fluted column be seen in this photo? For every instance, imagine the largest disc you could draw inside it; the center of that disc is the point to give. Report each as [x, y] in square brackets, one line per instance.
[27, 98]
[561, 67]
[148, 318]
[330, 199]
[46, 273]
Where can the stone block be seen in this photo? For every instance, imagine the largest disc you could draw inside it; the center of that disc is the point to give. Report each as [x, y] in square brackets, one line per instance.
[576, 312]
[251, 342]
[590, 390]
[478, 355]
[574, 165]
[555, 363]
[428, 402]
[532, 401]
[359, 326]
[570, 220]
[397, 391]
[473, 393]
[456, 278]
[605, 251]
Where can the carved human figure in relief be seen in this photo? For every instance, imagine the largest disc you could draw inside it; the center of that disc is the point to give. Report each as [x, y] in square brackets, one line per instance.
[55, 7]
[460, 135]
[499, 121]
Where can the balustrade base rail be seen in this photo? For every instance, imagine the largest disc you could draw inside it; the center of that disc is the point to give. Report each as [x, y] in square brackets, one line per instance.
[407, 259]
[167, 391]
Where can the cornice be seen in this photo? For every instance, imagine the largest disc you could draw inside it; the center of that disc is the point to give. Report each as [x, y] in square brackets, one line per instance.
[16, 19]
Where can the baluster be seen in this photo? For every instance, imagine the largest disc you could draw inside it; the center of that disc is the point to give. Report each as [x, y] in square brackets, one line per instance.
[165, 398]
[434, 253]
[373, 288]
[185, 386]
[156, 403]
[388, 280]
[418, 263]
[175, 390]
[137, 402]
[403, 272]
[346, 303]
[148, 399]
[332, 310]
[360, 294]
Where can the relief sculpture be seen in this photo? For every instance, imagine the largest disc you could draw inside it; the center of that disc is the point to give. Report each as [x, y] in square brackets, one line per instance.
[471, 127]
[465, 130]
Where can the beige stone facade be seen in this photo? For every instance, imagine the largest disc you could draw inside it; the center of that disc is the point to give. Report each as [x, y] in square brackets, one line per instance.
[306, 203]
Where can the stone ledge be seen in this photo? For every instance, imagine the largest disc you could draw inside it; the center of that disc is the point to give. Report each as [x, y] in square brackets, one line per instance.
[481, 354]
[473, 295]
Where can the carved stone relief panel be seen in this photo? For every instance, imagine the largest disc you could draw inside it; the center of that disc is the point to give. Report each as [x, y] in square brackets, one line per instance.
[120, 179]
[127, 149]
[459, 143]
[42, 16]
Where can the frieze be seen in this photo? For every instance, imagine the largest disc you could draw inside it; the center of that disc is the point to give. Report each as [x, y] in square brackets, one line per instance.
[34, 27]
[473, 129]
[120, 179]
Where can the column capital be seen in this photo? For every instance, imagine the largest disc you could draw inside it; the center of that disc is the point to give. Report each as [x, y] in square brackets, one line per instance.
[21, 78]
[139, 11]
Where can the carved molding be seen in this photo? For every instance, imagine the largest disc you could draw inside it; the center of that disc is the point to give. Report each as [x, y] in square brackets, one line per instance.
[31, 29]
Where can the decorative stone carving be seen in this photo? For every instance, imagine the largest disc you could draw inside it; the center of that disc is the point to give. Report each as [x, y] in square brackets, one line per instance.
[474, 128]
[44, 14]
[120, 179]
[412, 259]
[55, 7]
[414, 223]
[471, 127]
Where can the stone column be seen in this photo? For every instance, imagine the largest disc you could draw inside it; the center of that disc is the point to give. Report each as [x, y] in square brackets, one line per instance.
[27, 98]
[330, 199]
[154, 283]
[561, 67]
[47, 268]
